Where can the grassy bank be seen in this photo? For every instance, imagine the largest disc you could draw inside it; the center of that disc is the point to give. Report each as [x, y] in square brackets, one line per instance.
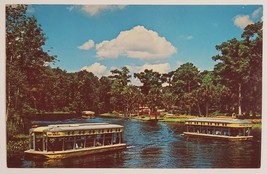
[111, 115]
[149, 118]
[174, 119]
[17, 145]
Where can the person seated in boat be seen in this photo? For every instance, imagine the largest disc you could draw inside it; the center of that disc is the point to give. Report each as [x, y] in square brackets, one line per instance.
[98, 143]
[218, 132]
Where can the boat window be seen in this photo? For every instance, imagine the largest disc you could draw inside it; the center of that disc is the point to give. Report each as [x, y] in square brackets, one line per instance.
[90, 141]
[225, 132]
[68, 143]
[247, 133]
[108, 139]
[234, 132]
[55, 144]
[190, 129]
[99, 140]
[218, 132]
[116, 138]
[79, 143]
[31, 141]
[39, 141]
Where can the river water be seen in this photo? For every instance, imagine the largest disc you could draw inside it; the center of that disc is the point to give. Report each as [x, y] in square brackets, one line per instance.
[159, 145]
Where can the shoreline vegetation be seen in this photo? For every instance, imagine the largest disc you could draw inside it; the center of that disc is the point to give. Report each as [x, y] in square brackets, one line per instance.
[256, 122]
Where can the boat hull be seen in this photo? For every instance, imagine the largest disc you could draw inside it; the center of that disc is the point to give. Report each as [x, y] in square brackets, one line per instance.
[72, 153]
[223, 137]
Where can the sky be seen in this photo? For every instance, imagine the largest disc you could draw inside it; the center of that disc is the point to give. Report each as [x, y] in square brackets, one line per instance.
[99, 38]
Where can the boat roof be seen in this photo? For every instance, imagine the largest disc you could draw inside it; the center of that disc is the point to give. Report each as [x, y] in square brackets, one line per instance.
[221, 120]
[78, 126]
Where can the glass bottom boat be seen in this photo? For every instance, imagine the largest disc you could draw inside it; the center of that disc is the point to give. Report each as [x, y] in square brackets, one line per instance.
[230, 129]
[74, 140]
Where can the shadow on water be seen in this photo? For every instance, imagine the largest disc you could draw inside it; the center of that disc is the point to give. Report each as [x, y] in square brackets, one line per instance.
[160, 145]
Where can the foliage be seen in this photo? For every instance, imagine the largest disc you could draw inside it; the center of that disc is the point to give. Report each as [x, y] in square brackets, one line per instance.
[32, 86]
[151, 89]
[240, 68]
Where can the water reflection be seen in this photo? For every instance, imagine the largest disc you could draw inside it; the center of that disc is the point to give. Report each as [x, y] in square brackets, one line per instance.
[107, 160]
[161, 145]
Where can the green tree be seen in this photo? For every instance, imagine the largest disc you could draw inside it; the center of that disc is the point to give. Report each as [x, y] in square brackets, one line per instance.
[152, 84]
[207, 90]
[168, 99]
[105, 97]
[253, 40]
[132, 98]
[241, 66]
[185, 80]
[120, 89]
[85, 92]
[25, 58]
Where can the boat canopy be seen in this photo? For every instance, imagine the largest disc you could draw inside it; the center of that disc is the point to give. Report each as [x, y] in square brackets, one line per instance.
[220, 120]
[73, 127]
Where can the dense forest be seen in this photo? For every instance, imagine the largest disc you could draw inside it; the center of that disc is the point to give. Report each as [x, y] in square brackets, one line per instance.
[33, 86]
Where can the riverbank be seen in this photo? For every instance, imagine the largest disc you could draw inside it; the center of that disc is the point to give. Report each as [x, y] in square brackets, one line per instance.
[256, 122]
[16, 145]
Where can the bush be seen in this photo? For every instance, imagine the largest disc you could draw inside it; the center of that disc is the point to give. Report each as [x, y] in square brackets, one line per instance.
[17, 145]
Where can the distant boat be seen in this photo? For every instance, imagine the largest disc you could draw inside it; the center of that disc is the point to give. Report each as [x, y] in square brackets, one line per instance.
[230, 129]
[88, 114]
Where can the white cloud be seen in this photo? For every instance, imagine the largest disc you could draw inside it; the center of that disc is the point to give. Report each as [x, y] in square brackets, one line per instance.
[94, 10]
[70, 8]
[30, 9]
[87, 45]
[161, 68]
[97, 69]
[257, 13]
[189, 37]
[139, 43]
[242, 21]
[101, 70]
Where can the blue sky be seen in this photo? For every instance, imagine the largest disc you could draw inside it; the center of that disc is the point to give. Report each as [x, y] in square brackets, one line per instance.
[159, 37]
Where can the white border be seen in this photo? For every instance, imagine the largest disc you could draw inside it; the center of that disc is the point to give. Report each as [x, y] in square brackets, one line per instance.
[3, 166]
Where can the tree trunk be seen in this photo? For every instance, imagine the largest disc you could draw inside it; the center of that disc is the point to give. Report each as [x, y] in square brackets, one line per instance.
[8, 100]
[199, 110]
[239, 100]
[16, 99]
[207, 109]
